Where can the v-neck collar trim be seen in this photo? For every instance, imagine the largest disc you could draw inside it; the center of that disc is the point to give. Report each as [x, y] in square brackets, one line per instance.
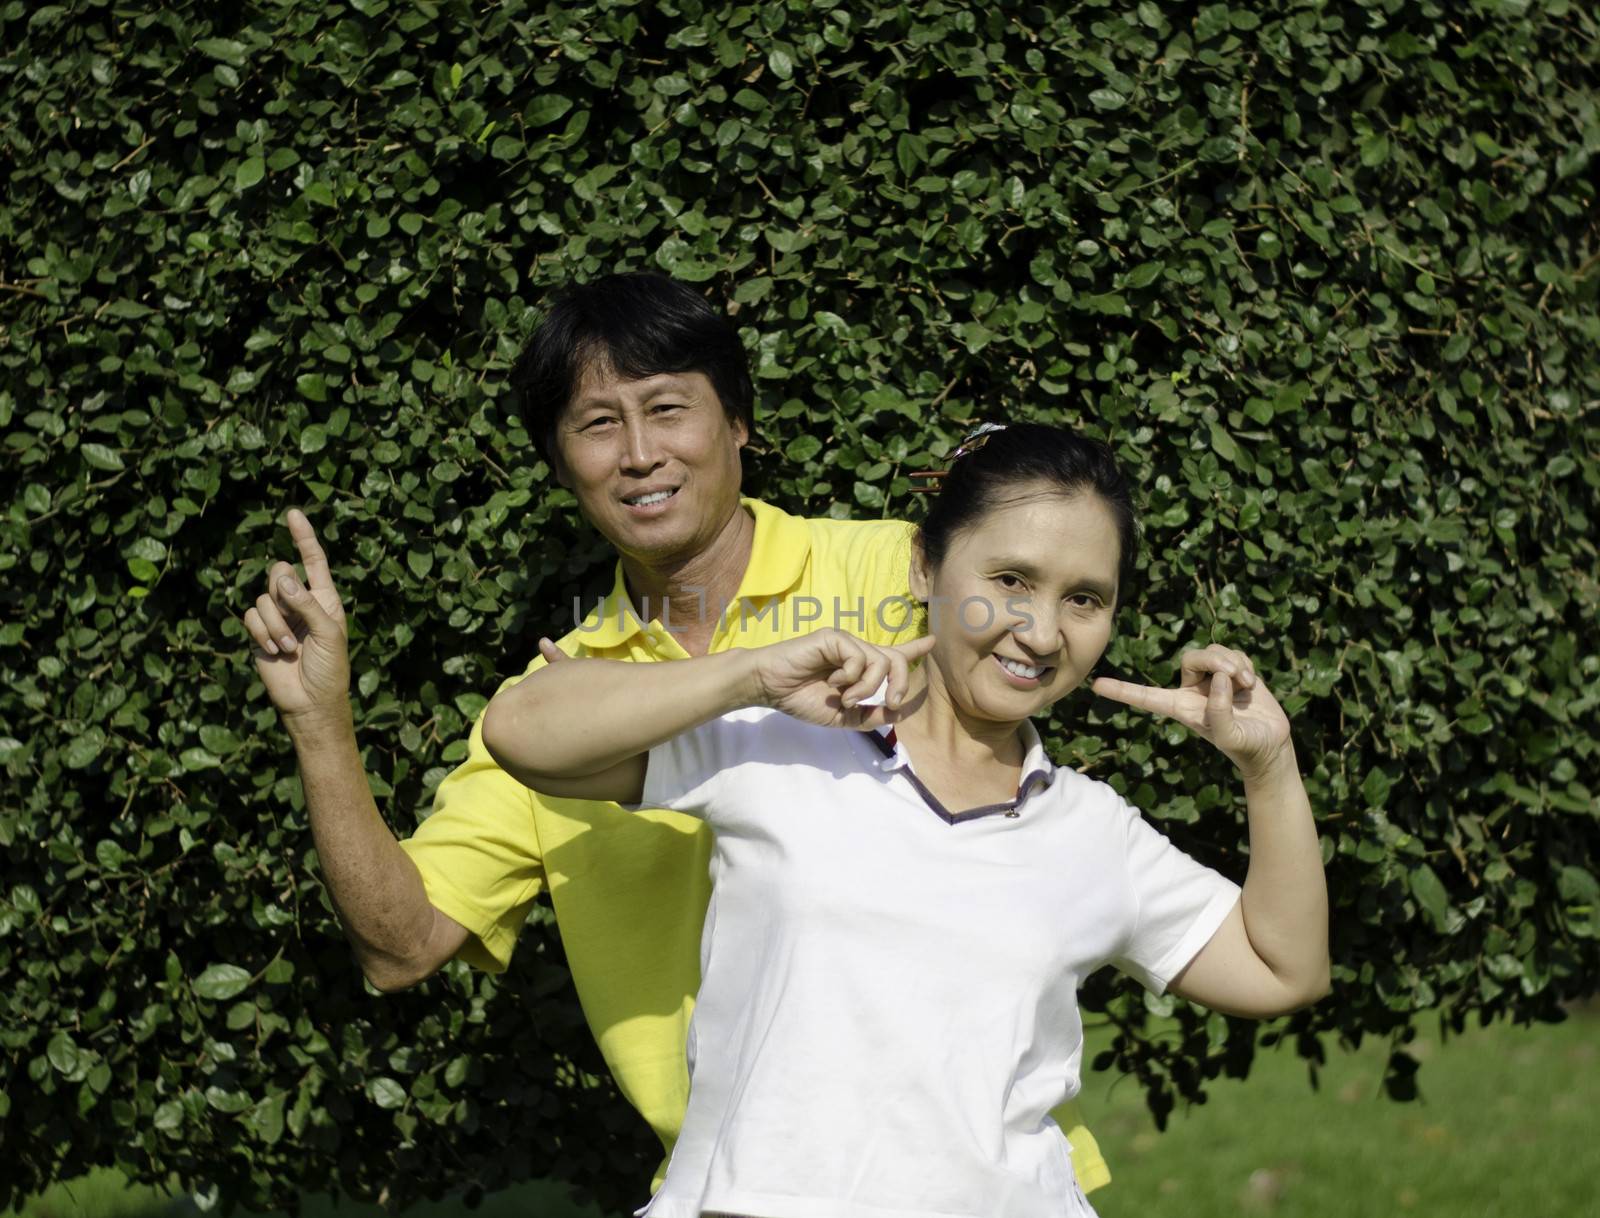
[1037, 771]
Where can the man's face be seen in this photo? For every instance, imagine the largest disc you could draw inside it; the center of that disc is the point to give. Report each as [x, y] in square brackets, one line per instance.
[654, 463]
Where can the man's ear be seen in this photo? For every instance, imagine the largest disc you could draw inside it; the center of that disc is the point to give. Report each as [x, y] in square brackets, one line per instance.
[741, 433]
[558, 467]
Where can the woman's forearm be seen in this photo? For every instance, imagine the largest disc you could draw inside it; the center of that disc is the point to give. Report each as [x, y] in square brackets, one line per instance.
[577, 718]
[1285, 902]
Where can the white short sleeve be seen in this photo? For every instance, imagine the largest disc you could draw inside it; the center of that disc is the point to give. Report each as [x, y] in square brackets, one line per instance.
[691, 772]
[1181, 903]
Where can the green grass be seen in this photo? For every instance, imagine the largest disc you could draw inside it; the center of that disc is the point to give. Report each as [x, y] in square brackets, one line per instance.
[1507, 1127]
[527, 1201]
[106, 1194]
[101, 1194]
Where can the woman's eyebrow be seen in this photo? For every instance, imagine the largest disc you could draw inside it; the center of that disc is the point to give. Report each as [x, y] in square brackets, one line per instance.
[1104, 589]
[1106, 592]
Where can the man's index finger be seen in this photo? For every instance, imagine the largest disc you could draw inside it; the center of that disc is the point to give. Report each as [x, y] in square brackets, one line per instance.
[311, 553]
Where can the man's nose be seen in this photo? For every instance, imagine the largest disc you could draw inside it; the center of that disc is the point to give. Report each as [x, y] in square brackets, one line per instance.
[641, 452]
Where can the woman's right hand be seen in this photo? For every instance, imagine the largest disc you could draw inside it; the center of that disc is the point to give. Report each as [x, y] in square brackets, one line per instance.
[822, 677]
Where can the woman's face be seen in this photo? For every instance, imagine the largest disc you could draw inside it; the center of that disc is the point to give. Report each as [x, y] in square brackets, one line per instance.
[1023, 602]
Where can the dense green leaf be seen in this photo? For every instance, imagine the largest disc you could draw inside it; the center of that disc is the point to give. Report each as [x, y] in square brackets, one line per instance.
[251, 170]
[102, 456]
[386, 1093]
[1322, 274]
[63, 1053]
[222, 981]
[1430, 893]
[545, 108]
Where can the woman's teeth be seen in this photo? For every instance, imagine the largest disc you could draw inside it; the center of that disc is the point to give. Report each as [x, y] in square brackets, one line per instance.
[1021, 670]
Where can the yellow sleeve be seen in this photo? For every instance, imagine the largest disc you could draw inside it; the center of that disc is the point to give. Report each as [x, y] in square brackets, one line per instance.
[478, 852]
[879, 570]
[1087, 1163]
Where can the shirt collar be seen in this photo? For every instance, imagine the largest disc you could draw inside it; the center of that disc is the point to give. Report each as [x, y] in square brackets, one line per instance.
[1036, 763]
[779, 551]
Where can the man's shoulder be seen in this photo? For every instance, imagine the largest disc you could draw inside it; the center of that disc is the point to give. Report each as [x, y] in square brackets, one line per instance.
[850, 544]
[849, 531]
[833, 547]
[833, 527]
[860, 558]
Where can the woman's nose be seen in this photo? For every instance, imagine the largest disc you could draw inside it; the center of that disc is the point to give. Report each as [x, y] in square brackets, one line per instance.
[1035, 627]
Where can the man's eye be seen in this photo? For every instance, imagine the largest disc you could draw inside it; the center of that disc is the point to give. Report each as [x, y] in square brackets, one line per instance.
[1009, 581]
[668, 406]
[1084, 600]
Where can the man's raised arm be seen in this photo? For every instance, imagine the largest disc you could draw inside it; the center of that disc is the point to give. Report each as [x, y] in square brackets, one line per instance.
[301, 654]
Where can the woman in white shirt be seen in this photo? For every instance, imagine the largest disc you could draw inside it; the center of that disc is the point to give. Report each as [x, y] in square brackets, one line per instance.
[903, 911]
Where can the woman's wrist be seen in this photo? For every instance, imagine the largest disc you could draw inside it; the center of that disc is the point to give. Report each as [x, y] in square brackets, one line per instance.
[1274, 767]
[743, 678]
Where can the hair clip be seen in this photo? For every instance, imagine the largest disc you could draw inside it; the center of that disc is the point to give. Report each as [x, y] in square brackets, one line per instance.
[975, 439]
[971, 443]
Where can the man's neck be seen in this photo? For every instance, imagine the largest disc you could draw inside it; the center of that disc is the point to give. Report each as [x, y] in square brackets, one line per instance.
[688, 595]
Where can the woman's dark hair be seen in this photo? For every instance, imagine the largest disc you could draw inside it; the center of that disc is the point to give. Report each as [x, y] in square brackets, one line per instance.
[640, 323]
[1012, 461]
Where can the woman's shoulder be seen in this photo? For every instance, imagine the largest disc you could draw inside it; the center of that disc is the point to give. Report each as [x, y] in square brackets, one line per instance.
[1092, 796]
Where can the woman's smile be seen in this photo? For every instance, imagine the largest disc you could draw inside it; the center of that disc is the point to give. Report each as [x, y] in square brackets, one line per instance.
[1023, 676]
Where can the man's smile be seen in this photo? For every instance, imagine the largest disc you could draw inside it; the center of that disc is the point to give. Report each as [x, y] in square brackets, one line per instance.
[650, 501]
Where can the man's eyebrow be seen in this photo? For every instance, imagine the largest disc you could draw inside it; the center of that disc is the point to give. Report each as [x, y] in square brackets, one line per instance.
[673, 385]
[588, 406]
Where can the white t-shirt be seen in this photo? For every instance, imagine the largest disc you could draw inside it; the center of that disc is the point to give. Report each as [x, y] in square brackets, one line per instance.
[888, 1004]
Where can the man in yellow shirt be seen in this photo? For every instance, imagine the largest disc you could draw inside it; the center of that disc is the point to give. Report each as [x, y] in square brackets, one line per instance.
[638, 393]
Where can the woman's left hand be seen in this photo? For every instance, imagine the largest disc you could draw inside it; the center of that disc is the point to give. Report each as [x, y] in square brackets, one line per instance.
[1220, 698]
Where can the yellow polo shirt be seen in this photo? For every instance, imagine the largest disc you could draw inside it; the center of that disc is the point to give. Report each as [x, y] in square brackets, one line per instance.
[630, 889]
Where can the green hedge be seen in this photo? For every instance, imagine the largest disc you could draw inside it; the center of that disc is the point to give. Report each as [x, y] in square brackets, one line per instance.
[1326, 277]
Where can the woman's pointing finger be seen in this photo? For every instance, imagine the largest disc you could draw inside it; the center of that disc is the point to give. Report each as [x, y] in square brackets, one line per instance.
[1145, 697]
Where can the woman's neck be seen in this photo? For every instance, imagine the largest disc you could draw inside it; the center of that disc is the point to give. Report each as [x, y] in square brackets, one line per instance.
[937, 727]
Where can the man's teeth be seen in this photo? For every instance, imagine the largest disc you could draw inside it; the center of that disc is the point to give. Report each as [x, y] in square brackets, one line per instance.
[654, 497]
[1021, 670]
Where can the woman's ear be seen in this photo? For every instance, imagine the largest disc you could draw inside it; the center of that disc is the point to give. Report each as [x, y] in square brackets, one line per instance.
[920, 582]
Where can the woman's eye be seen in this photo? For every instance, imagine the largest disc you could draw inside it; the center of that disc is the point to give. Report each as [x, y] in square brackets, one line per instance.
[1084, 600]
[664, 406]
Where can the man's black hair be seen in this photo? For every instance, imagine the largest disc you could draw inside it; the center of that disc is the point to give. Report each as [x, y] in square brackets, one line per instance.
[640, 324]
